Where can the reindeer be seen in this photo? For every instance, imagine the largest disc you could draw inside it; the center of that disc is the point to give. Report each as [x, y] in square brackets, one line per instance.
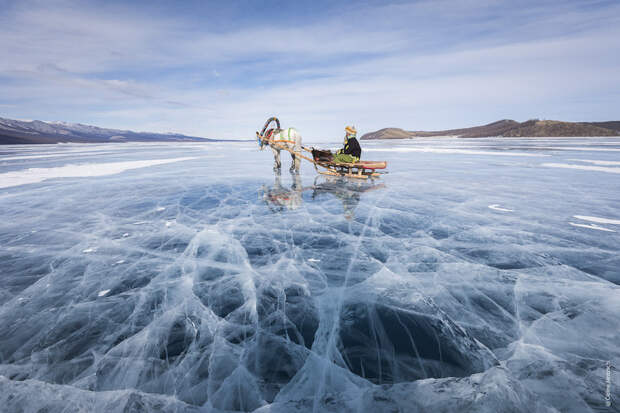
[277, 138]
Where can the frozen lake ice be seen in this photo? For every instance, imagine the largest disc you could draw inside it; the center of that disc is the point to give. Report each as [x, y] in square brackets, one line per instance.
[478, 275]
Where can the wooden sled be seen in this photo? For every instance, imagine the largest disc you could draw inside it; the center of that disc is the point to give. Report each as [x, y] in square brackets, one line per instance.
[359, 169]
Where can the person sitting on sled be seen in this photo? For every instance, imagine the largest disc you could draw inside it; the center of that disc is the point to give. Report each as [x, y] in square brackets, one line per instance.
[351, 152]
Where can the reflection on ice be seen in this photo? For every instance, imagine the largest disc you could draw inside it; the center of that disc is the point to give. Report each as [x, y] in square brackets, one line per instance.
[279, 198]
[458, 282]
[348, 191]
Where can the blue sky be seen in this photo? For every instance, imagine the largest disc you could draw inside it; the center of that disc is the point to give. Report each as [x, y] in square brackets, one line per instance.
[219, 69]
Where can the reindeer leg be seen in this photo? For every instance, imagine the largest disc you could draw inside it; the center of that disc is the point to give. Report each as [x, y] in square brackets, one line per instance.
[276, 157]
[296, 159]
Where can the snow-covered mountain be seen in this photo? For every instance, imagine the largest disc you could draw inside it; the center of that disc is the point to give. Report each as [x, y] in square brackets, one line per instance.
[36, 131]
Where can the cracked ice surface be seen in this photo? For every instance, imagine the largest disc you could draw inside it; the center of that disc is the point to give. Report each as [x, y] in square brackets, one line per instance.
[189, 277]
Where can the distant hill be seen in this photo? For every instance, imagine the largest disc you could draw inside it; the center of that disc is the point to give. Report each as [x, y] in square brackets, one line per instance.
[27, 132]
[614, 125]
[508, 127]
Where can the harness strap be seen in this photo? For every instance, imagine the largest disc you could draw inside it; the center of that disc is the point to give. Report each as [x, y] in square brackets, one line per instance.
[281, 141]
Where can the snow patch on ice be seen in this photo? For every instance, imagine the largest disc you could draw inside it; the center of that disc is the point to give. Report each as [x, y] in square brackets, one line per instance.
[592, 226]
[585, 148]
[18, 158]
[456, 151]
[56, 155]
[596, 162]
[598, 220]
[35, 175]
[496, 207]
[583, 167]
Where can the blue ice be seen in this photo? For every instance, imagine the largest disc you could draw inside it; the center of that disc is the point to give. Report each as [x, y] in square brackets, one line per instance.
[477, 275]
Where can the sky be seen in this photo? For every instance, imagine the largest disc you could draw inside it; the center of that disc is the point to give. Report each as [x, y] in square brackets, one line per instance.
[220, 69]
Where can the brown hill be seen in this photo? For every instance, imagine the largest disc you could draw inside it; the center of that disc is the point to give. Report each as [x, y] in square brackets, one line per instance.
[540, 128]
[508, 127]
[388, 133]
[614, 125]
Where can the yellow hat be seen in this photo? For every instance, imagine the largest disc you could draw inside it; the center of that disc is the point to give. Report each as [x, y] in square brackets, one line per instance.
[351, 130]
